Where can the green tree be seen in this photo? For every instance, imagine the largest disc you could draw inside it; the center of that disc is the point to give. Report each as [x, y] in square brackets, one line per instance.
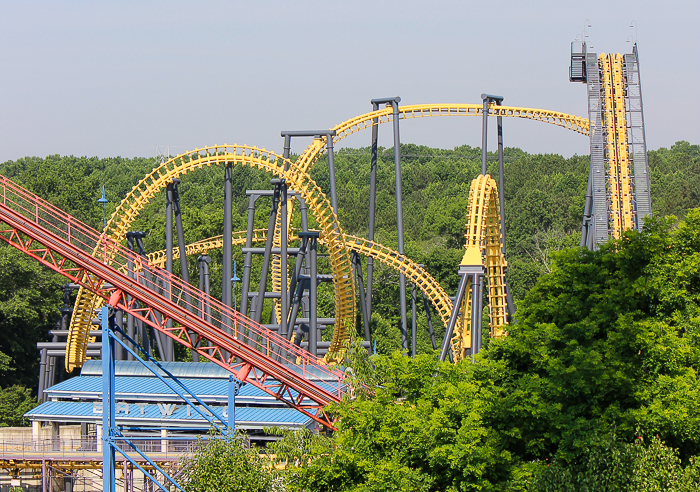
[15, 401]
[227, 464]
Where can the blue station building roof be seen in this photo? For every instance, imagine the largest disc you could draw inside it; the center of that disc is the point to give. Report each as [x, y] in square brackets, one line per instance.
[142, 399]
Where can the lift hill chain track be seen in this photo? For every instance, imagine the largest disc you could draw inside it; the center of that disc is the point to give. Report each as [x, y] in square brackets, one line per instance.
[128, 282]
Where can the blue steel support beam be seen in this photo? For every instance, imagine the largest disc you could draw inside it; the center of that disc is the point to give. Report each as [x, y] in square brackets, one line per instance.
[108, 406]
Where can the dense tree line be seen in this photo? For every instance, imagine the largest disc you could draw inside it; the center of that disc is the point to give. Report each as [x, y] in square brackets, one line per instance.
[594, 389]
[544, 199]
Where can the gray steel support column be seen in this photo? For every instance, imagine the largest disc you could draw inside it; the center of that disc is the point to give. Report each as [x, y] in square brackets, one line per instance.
[372, 205]
[399, 220]
[474, 321]
[426, 306]
[118, 349]
[169, 356]
[313, 325]
[502, 206]
[357, 261]
[586, 225]
[161, 344]
[248, 260]
[226, 288]
[479, 313]
[296, 285]
[129, 317]
[204, 286]
[42, 376]
[414, 326]
[185, 274]
[284, 301]
[463, 281]
[331, 172]
[266, 257]
[501, 191]
[484, 131]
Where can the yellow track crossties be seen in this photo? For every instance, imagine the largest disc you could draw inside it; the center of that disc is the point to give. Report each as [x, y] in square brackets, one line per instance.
[416, 274]
[234, 155]
[317, 147]
[483, 247]
[620, 192]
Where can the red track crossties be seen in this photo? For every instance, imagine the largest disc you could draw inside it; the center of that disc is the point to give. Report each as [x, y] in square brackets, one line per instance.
[128, 282]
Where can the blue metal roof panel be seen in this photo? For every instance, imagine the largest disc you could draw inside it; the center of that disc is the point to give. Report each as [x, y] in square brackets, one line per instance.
[177, 369]
[165, 414]
[152, 388]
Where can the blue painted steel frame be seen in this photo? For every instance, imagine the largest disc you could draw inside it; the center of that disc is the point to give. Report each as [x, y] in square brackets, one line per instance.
[110, 431]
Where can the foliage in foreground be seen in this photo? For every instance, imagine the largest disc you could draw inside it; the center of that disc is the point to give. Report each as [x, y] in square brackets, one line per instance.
[606, 350]
[227, 464]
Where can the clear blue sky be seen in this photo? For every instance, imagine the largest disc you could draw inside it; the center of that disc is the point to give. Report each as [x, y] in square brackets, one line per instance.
[119, 78]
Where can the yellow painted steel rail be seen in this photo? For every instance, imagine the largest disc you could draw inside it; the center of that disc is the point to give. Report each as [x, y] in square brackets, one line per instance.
[423, 280]
[483, 247]
[234, 155]
[317, 147]
[298, 179]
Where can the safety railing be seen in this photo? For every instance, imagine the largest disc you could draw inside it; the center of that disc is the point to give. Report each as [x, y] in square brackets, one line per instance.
[90, 448]
[210, 319]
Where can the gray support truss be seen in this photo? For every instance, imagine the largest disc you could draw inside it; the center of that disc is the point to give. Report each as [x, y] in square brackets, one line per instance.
[599, 210]
[636, 137]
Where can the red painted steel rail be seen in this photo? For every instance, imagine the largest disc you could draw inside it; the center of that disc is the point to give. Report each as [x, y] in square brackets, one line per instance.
[128, 282]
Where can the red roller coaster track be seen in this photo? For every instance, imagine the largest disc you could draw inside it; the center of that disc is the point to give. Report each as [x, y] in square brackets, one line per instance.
[128, 282]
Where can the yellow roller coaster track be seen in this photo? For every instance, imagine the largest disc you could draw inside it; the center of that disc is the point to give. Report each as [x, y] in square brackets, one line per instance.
[131, 206]
[235, 155]
[483, 247]
[416, 274]
[313, 151]
[617, 156]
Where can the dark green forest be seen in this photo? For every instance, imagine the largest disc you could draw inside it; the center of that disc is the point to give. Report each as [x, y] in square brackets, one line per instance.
[597, 377]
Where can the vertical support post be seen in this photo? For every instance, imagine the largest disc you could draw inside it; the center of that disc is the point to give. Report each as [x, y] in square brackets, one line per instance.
[477, 315]
[331, 172]
[313, 322]
[487, 98]
[357, 261]
[502, 204]
[118, 321]
[463, 281]
[184, 272]
[132, 275]
[484, 131]
[372, 204]
[44, 484]
[297, 284]
[414, 326]
[266, 256]
[42, 376]
[399, 219]
[248, 260]
[169, 260]
[226, 288]
[586, 226]
[108, 407]
[430, 321]
[232, 390]
[284, 300]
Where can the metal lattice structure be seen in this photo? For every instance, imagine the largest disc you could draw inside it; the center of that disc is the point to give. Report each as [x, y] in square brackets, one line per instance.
[299, 180]
[128, 282]
[618, 196]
